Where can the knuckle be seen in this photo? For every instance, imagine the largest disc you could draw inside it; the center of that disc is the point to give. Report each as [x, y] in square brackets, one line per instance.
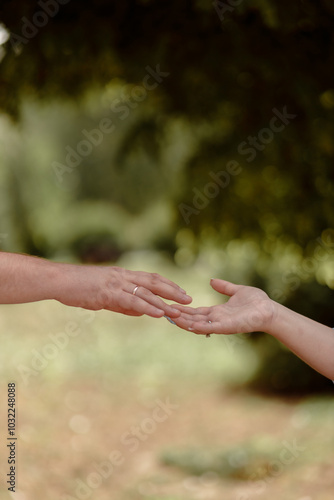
[155, 278]
[116, 270]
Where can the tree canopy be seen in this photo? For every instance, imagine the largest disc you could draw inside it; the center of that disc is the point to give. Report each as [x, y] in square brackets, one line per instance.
[237, 51]
[252, 78]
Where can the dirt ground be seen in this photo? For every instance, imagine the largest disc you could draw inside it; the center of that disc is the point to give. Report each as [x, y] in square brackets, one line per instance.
[88, 439]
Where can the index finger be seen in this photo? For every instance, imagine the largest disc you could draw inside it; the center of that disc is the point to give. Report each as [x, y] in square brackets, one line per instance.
[161, 286]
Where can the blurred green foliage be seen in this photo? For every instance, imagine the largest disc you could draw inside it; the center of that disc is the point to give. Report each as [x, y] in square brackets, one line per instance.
[252, 459]
[226, 163]
[227, 71]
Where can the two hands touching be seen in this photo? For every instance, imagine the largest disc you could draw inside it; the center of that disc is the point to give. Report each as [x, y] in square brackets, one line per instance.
[248, 309]
[28, 279]
[135, 293]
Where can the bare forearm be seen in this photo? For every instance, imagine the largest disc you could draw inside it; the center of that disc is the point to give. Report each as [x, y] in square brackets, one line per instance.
[309, 340]
[24, 278]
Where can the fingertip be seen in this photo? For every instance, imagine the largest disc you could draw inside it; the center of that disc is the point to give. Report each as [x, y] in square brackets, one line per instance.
[187, 299]
[169, 319]
[157, 313]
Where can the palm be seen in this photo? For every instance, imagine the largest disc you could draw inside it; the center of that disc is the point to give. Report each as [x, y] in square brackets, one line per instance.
[247, 310]
[243, 312]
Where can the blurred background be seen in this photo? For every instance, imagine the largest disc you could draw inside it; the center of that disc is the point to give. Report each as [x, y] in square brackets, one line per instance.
[193, 139]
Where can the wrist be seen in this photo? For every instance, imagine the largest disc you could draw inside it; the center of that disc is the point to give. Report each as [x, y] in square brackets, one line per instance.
[264, 315]
[60, 283]
[279, 321]
[79, 285]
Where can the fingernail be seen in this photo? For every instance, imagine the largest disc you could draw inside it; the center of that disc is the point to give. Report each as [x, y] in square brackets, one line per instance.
[169, 319]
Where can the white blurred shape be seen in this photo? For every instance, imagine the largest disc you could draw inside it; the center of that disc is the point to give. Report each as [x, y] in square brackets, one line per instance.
[79, 424]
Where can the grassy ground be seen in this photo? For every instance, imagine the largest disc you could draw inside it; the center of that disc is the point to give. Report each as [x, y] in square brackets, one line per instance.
[110, 407]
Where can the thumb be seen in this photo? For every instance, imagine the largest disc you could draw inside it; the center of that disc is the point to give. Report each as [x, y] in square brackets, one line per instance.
[225, 287]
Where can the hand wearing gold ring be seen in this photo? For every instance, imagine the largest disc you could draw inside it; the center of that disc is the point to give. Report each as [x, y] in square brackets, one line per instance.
[91, 287]
[133, 292]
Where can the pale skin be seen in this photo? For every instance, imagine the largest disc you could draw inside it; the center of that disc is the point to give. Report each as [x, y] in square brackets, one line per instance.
[250, 309]
[29, 279]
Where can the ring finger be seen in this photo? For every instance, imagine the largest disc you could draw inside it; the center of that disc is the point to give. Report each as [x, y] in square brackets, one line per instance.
[146, 295]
